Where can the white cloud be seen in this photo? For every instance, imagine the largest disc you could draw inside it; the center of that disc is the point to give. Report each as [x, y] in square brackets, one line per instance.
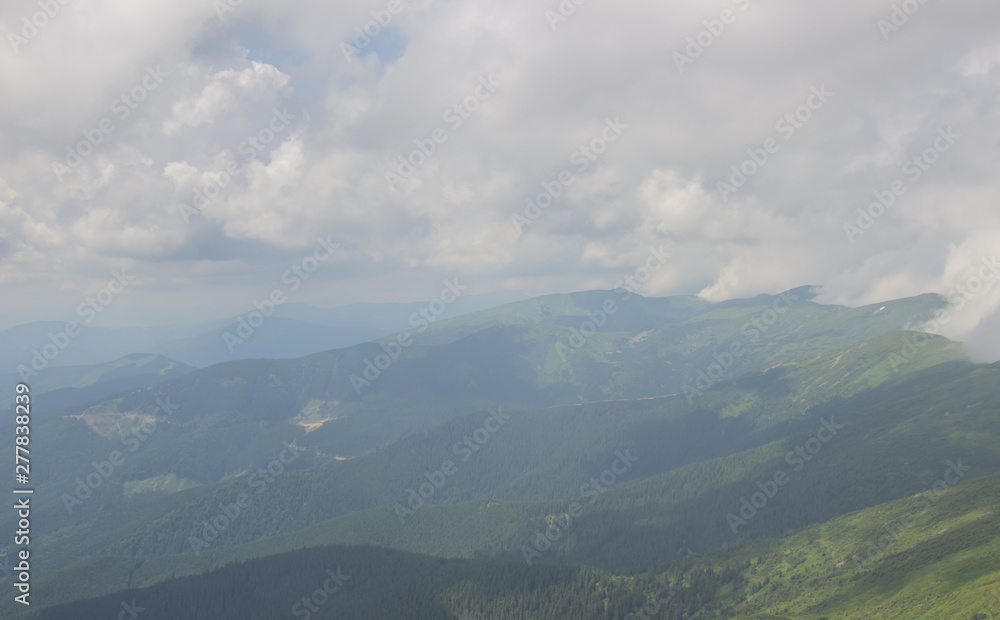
[980, 61]
[222, 92]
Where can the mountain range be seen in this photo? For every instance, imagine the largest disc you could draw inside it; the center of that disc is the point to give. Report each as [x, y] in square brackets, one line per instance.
[582, 455]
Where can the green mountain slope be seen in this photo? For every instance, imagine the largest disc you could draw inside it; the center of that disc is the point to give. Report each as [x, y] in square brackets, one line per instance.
[527, 455]
[753, 381]
[932, 555]
[898, 430]
[70, 386]
[221, 419]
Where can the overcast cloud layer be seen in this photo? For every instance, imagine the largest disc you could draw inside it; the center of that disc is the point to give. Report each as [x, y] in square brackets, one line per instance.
[212, 75]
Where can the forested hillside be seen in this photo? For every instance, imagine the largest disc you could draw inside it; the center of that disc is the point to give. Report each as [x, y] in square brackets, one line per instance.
[938, 560]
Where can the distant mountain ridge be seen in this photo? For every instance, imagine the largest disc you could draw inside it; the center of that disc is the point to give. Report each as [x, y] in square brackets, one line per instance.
[294, 330]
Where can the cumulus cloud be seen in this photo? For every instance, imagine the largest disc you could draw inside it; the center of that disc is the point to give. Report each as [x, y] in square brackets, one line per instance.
[222, 92]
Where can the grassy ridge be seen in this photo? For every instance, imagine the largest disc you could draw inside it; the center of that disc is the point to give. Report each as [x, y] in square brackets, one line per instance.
[932, 555]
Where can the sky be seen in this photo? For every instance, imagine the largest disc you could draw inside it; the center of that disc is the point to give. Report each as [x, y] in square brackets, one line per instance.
[200, 150]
